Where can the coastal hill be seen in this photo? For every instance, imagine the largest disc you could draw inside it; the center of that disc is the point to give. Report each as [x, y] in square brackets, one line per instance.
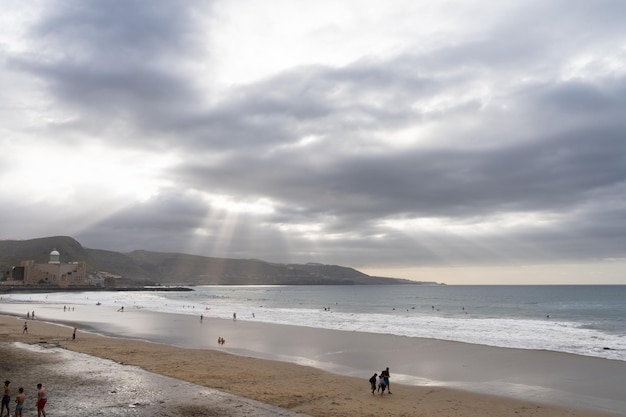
[142, 267]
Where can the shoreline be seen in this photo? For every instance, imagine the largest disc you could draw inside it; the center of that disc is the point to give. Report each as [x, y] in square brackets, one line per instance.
[5, 289]
[263, 379]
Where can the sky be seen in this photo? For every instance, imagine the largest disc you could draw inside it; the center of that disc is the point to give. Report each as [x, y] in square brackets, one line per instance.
[464, 142]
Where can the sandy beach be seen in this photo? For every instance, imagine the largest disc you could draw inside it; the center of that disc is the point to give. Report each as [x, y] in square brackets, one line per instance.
[289, 386]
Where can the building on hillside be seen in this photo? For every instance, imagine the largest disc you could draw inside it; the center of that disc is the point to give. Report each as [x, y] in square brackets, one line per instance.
[53, 273]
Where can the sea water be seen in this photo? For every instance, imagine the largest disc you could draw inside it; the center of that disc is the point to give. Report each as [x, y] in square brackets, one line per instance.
[586, 320]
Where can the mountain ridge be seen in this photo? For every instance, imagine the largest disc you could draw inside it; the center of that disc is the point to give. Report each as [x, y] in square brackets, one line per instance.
[142, 267]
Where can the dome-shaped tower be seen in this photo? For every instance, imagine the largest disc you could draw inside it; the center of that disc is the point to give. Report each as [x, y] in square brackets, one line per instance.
[55, 257]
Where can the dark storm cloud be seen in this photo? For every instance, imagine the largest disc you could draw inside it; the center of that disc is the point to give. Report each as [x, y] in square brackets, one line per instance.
[167, 212]
[116, 60]
[586, 100]
[166, 219]
[308, 101]
[579, 152]
[183, 223]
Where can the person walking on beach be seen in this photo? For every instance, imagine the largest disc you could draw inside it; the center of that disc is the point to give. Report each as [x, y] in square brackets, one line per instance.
[385, 375]
[25, 328]
[381, 384]
[74, 334]
[6, 399]
[19, 400]
[373, 383]
[42, 399]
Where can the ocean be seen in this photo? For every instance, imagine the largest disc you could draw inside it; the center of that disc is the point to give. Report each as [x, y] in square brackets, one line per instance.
[586, 320]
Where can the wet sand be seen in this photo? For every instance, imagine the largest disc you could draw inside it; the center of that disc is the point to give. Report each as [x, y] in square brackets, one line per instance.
[315, 392]
[84, 385]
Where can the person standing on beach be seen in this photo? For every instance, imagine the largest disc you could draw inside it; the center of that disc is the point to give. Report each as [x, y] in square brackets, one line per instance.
[42, 399]
[373, 383]
[25, 328]
[6, 399]
[21, 397]
[74, 334]
[385, 375]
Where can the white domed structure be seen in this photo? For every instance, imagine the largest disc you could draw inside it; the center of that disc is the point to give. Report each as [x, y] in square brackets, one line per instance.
[53, 274]
[55, 257]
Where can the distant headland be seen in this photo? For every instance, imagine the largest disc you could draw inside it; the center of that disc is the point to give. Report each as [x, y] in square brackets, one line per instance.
[144, 269]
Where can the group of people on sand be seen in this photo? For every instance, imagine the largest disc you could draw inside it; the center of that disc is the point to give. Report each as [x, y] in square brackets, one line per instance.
[383, 382]
[20, 399]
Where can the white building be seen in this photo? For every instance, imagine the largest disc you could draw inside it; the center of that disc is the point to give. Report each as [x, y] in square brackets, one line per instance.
[54, 272]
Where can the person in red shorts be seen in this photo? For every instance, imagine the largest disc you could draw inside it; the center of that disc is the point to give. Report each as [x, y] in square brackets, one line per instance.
[42, 399]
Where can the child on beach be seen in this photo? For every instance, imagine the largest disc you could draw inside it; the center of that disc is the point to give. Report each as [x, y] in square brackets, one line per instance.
[373, 383]
[381, 384]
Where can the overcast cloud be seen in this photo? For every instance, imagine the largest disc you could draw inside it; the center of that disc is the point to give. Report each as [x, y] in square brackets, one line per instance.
[404, 139]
